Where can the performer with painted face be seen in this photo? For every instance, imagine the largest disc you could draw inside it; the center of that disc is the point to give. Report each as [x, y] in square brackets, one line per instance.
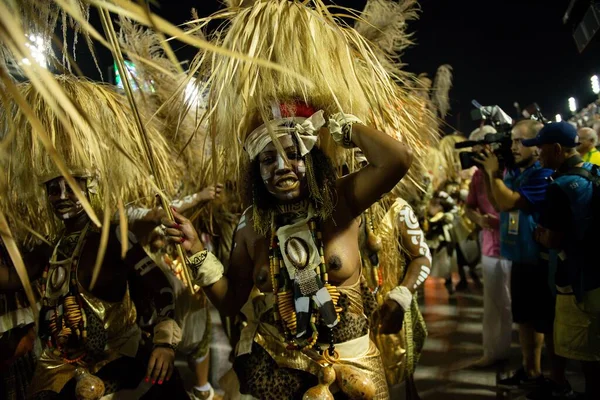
[296, 255]
[86, 329]
[295, 270]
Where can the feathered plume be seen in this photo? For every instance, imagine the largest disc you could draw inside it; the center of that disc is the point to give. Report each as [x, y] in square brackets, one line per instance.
[384, 23]
[441, 88]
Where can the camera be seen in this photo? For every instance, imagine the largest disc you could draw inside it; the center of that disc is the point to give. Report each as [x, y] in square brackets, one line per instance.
[500, 142]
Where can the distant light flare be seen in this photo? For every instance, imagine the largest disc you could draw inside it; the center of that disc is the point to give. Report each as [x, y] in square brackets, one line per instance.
[572, 104]
[37, 49]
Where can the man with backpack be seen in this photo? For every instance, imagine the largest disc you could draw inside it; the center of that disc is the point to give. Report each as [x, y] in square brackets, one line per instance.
[568, 227]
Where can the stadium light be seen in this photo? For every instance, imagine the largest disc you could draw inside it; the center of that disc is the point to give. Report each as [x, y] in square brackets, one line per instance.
[572, 104]
[558, 118]
[595, 84]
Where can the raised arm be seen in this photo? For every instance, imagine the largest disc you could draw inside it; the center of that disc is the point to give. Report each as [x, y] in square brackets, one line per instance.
[389, 160]
[143, 220]
[502, 198]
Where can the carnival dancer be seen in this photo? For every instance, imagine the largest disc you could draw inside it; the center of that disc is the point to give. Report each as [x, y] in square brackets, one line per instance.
[399, 328]
[295, 268]
[87, 330]
[315, 263]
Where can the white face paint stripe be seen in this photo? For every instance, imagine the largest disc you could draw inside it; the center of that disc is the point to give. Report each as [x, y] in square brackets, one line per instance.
[63, 189]
[280, 162]
[425, 269]
[423, 275]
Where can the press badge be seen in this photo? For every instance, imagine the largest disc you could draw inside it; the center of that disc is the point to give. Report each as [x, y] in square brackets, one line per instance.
[513, 223]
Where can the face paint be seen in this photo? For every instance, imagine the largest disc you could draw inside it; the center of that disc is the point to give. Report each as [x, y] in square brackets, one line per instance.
[301, 169]
[64, 202]
[280, 162]
[283, 174]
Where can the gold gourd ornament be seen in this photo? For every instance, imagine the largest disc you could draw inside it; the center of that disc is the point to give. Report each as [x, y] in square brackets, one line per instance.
[89, 387]
[354, 383]
[321, 391]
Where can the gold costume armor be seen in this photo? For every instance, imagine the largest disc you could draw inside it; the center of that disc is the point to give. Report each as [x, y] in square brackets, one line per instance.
[123, 335]
[360, 353]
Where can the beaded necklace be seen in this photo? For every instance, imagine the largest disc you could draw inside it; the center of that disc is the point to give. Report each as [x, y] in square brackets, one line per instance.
[67, 315]
[373, 244]
[284, 311]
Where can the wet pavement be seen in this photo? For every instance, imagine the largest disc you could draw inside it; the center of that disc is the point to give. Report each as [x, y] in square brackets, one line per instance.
[446, 369]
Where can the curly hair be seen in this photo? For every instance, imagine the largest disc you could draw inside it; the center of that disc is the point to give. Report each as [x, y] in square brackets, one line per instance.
[321, 177]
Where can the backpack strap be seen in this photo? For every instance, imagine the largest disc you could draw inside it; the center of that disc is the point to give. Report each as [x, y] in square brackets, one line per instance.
[592, 176]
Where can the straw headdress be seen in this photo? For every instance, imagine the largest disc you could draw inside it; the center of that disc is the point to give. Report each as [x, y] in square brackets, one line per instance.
[106, 148]
[441, 88]
[177, 104]
[340, 68]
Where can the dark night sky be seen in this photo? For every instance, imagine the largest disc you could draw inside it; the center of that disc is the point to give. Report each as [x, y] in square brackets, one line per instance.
[501, 51]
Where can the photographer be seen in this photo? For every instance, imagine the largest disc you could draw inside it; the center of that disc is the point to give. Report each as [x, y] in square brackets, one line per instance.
[497, 318]
[519, 197]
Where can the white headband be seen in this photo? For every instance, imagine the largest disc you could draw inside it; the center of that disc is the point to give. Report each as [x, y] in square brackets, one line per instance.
[304, 129]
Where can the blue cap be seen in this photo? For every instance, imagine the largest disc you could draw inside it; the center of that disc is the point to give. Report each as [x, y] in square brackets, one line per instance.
[562, 133]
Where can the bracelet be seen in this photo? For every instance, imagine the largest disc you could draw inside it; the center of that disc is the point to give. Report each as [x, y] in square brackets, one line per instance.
[165, 345]
[198, 259]
[205, 268]
[340, 128]
[402, 296]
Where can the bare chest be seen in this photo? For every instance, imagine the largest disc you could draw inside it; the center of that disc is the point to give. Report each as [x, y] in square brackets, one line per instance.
[340, 250]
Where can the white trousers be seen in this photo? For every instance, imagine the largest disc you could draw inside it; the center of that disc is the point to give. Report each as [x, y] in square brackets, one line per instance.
[497, 316]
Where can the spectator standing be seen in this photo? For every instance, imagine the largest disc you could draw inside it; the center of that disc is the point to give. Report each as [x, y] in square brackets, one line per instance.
[518, 197]
[567, 227]
[588, 140]
[497, 317]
